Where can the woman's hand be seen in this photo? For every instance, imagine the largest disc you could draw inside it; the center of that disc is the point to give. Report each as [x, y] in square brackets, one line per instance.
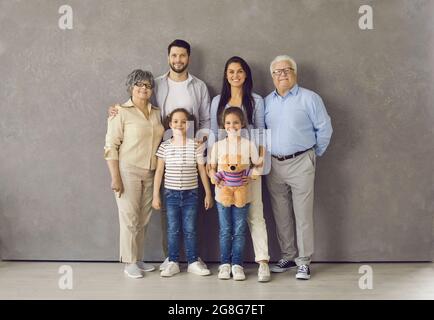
[260, 163]
[209, 201]
[156, 202]
[112, 111]
[117, 186]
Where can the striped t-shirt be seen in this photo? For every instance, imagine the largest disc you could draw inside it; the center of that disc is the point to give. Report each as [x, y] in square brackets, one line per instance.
[181, 164]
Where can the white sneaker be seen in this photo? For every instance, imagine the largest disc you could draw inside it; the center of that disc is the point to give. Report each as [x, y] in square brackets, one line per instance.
[132, 270]
[224, 271]
[145, 266]
[171, 269]
[198, 268]
[238, 273]
[164, 264]
[263, 272]
[303, 272]
[201, 262]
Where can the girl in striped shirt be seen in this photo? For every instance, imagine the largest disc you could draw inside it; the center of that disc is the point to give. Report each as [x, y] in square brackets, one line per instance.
[232, 219]
[180, 159]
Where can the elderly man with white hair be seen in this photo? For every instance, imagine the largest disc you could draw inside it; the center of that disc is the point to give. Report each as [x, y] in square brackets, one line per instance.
[300, 130]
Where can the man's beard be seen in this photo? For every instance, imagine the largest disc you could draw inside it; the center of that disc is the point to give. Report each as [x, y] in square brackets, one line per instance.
[178, 70]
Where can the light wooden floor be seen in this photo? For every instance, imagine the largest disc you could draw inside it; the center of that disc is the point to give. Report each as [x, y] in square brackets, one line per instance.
[40, 280]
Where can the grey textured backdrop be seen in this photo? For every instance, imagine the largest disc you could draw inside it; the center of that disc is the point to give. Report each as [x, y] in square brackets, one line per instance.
[374, 187]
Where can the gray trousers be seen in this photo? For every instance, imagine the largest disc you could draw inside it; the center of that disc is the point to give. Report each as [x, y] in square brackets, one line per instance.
[291, 187]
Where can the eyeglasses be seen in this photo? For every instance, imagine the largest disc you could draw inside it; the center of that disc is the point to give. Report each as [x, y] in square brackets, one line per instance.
[285, 71]
[143, 84]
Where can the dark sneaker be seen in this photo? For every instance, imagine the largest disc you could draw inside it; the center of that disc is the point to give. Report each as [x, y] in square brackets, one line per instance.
[303, 272]
[283, 265]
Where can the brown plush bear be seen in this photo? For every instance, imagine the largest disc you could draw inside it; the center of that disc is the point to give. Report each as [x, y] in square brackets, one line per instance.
[231, 171]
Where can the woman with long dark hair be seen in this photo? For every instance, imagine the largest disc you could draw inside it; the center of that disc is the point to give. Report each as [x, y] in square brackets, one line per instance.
[237, 92]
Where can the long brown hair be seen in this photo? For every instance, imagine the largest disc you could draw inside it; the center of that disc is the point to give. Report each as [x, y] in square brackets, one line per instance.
[225, 95]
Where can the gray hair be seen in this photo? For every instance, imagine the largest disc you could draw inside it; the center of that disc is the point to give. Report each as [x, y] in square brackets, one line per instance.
[284, 58]
[138, 76]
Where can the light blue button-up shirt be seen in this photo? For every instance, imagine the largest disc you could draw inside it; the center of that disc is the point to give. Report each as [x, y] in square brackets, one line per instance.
[297, 121]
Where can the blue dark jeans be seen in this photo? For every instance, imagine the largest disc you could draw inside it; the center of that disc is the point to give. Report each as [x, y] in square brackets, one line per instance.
[233, 225]
[181, 207]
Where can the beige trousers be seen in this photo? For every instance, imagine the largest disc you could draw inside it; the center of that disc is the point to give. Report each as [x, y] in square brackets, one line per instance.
[291, 187]
[135, 208]
[256, 222]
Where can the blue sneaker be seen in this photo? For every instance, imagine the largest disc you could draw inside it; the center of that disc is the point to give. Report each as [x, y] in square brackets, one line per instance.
[283, 265]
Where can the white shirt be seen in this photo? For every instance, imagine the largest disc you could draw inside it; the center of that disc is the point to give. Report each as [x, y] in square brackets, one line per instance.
[178, 97]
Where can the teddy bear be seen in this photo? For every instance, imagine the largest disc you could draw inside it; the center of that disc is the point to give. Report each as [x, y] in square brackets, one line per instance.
[231, 172]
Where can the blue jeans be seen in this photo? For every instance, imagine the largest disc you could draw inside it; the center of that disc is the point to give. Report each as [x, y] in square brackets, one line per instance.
[181, 207]
[233, 225]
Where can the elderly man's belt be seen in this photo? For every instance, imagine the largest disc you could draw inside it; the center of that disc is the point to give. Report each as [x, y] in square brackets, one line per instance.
[291, 156]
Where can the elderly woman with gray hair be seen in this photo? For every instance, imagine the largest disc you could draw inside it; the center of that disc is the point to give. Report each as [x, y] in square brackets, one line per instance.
[132, 139]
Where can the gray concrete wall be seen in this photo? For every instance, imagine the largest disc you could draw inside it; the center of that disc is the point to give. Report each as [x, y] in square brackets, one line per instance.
[374, 187]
